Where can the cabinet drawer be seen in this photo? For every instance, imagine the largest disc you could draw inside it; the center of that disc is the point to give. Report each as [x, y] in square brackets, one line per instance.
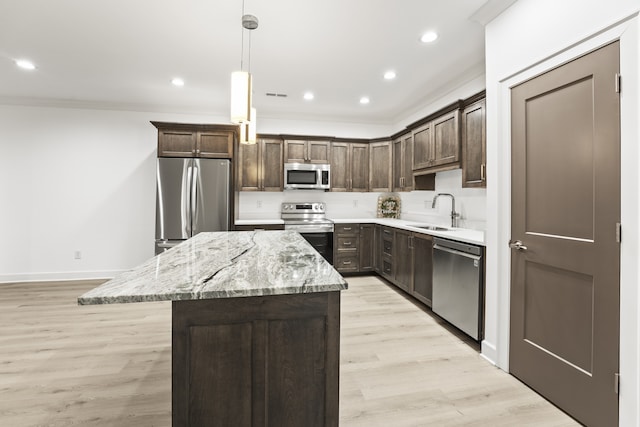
[346, 228]
[387, 247]
[347, 243]
[348, 263]
[387, 268]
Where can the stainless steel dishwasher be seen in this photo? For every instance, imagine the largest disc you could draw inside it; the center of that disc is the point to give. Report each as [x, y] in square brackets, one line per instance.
[458, 276]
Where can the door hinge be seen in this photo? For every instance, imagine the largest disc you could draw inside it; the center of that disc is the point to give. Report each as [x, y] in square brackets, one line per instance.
[618, 82]
[616, 383]
[618, 232]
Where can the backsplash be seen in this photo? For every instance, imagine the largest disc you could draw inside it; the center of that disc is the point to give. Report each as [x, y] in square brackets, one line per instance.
[416, 205]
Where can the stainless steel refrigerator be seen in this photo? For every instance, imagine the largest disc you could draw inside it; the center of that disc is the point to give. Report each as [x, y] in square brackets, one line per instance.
[193, 195]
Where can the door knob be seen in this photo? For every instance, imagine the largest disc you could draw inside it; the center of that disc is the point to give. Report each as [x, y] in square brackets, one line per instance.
[517, 245]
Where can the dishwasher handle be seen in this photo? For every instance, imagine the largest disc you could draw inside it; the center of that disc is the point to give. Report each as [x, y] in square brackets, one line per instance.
[455, 252]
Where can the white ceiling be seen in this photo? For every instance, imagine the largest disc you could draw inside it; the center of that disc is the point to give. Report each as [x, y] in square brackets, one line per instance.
[123, 54]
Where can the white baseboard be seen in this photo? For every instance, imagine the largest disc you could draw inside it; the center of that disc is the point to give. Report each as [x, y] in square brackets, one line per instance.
[59, 276]
[489, 352]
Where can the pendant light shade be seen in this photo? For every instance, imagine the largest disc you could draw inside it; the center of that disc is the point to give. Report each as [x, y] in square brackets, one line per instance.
[240, 97]
[251, 136]
[248, 129]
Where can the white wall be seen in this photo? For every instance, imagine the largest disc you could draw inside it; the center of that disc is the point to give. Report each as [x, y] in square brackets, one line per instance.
[75, 180]
[415, 205]
[528, 38]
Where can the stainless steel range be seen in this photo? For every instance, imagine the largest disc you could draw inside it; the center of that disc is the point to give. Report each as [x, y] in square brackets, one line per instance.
[308, 218]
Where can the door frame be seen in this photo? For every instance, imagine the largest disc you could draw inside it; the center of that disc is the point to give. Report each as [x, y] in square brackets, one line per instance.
[495, 347]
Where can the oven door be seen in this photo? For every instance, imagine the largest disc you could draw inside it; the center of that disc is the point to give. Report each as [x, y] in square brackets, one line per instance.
[321, 242]
[320, 237]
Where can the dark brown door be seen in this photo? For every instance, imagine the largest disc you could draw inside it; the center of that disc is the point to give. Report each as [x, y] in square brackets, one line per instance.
[565, 276]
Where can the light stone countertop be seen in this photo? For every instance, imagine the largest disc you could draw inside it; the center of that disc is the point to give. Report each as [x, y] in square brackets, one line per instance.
[224, 265]
[466, 235]
[258, 221]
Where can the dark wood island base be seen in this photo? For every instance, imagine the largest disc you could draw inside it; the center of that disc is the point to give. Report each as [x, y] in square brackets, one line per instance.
[256, 361]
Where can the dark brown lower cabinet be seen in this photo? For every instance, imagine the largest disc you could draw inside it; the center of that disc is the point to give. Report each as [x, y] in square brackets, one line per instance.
[386, 249]
[405, 259]
[422, 267]
[377, 248]
[366, 247]
[353, 248]
[256, 361]
[402, 259]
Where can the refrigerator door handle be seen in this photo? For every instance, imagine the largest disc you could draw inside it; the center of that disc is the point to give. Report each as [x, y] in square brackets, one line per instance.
[187, 179]
[195, 178]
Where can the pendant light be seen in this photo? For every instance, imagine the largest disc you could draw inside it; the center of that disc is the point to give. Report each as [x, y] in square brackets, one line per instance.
[242, 111]
[248, 129]
[240, 96]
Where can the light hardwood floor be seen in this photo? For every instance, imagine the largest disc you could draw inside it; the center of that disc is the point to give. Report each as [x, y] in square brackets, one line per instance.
[110, 365]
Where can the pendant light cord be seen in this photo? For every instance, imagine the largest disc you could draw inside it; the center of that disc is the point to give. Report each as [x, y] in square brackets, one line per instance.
[242, 38]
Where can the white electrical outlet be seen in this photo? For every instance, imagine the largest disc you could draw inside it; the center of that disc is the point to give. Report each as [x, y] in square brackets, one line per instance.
[355, 203]
[259, 203]
[77, 255]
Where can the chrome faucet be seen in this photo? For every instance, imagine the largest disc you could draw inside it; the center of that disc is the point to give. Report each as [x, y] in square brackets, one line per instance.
[454, 215]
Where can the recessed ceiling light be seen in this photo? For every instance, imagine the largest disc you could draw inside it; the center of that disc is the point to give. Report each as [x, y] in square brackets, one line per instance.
[308, 96]
[390, 75]
[429, 37]
[25, 64]
[177, 81]
[364, 100]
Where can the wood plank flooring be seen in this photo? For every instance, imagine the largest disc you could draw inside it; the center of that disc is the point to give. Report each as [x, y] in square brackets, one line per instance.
[67, 365]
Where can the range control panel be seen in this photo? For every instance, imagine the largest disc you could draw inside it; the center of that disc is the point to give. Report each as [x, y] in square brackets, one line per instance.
[313, 207]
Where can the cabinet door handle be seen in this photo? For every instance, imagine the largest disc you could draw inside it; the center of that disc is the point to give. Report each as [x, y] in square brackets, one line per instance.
[483, 172]
[410, 242]
[193, 151]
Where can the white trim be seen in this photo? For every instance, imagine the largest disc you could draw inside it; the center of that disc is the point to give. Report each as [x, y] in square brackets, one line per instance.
[488, 352]
[626, 32]
[58, 276]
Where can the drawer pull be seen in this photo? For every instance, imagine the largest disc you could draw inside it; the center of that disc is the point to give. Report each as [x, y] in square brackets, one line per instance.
[347, 243]
[346, 262]
[347, 228]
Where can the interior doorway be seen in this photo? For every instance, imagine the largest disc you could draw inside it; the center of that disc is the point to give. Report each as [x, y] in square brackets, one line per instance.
[565, 209]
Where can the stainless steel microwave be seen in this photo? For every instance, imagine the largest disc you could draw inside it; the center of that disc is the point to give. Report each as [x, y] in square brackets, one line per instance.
[307, 176]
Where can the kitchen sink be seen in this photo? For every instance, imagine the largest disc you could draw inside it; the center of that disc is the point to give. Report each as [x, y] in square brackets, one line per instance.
[433, 228]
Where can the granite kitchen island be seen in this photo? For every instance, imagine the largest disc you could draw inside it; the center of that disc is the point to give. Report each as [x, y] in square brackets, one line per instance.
[255, 327]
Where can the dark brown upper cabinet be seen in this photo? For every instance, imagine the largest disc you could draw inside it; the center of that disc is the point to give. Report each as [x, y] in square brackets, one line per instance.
[474, 145]
[193, 140]
[402, 163]
[380, 176]
[349, 166]
[436, 144]
[260, 166]
[306, 151]
[422, 146]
